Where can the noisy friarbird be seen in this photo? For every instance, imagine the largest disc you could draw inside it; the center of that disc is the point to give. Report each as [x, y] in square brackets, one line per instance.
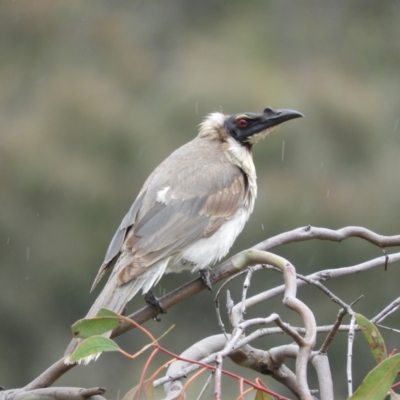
[189, 211]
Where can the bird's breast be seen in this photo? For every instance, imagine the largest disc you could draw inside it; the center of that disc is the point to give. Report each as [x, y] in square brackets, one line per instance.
[208, 250]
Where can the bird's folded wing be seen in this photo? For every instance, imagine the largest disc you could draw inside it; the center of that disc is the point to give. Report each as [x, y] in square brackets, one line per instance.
[175, 210]
[170, 226]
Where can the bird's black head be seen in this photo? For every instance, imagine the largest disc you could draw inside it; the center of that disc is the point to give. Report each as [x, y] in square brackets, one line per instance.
[249, 128]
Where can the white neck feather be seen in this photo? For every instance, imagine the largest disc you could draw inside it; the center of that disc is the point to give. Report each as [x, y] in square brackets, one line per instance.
[213, 127]
[242, 157]
[212, 124]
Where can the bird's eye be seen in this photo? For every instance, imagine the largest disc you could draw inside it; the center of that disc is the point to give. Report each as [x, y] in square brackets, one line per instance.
[242, 122]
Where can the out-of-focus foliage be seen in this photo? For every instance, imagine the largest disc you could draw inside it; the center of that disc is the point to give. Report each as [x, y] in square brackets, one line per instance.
[378, 382]
[95, 94]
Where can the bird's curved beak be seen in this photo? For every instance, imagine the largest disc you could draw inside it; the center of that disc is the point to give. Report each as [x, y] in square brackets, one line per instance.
[272, 117]
[268, 121]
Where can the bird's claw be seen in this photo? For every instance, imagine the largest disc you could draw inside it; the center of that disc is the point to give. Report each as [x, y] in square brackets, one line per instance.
[205, 277]
[152, 300]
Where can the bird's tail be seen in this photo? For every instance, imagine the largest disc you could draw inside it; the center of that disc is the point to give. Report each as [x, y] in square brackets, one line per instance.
[113, 297]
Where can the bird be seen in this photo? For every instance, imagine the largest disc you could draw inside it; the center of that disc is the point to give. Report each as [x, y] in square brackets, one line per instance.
[189, 211]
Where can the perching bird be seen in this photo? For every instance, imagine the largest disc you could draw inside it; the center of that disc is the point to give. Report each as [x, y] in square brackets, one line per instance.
[189, 211]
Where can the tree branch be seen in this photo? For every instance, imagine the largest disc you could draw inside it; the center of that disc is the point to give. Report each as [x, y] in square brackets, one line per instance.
[227, 269]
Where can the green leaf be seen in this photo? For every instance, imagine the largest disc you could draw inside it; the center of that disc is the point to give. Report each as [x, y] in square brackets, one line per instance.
[373, 338]
[106, 320]
[93, 345]
[263, 396]
[377, 383]
[105, 312]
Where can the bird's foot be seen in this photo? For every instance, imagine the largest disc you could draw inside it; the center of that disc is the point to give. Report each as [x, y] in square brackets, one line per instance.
[205, 277]
[152, 300]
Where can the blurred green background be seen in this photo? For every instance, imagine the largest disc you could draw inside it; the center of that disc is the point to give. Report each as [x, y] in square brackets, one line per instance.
[95, 94]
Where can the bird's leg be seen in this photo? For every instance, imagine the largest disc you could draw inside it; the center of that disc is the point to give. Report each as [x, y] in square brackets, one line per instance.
[205, 277]
[152, 300]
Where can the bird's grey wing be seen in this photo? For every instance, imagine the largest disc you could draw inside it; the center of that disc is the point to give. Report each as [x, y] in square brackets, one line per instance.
[205, 189]
[114, 248]
[179, 219]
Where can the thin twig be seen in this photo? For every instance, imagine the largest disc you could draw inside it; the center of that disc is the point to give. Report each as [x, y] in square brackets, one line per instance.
[336, 325]
[324, 289]
[206, 386]
[192, 378]
[333, 331]
[391, 308]
[229, 300]
[388, 328]
[246, 285]
[217, 377]
[350, 356]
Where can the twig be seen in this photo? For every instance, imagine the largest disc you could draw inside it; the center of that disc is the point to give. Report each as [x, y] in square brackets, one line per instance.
[324, 289]
[350, 356]
[229, 300]
[388, 328]
[217, 376]
[190, 381]
[55, 393]
[250, 257]
[312, 232]
[332, 332]
[246, 285]
[320, 275]
[336, 326]
[206, 385]
[391, 308]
